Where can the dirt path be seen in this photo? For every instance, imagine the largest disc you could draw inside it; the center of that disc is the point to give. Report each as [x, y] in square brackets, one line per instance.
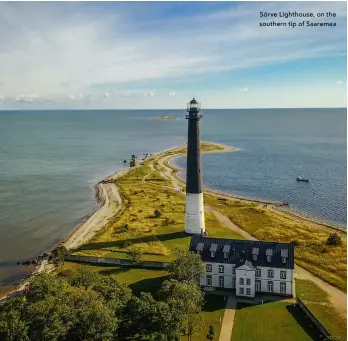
[228, 320]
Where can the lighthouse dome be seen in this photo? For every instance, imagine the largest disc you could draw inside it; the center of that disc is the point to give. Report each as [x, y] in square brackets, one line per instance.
[193, 101]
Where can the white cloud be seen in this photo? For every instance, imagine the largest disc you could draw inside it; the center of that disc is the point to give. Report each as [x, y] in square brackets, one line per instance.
[172, 93]
[244, 89]
[339, 82]
[57, 49]
[149, 94]
[26, 98]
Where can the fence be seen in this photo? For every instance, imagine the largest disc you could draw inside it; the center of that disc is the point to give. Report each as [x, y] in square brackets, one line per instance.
[116, 261]
[315, 321]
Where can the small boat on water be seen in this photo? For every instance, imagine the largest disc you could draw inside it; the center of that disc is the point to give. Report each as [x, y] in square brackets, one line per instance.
[302, 179]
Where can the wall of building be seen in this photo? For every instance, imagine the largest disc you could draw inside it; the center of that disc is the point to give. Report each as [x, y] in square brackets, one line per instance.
[229, 276]
[245, 275]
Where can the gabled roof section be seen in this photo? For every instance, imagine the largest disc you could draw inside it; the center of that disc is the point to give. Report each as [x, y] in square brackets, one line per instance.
[243, 251]
[213, 247]
[226, 248]
[255, 251]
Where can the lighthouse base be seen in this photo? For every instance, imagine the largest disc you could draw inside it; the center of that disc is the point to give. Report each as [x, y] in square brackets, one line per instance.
[194, 217]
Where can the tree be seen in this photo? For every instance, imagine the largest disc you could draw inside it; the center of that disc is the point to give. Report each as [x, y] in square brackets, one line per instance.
[334, 239]
[184, 298]
[187, 267]
[211, 333]
[60, 253]
[12, 325]
[84, 278]
[135, 256]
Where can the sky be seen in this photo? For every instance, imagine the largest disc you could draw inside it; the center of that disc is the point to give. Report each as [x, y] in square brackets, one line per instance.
[157, 55]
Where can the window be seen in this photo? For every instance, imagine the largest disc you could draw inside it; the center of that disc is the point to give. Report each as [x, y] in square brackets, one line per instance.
[255, 257]
[221, 269]
[283, 260]
[212, 254]
[233, 283]
[248, 281]
[221, 281]
[258, 273]
[241, 281]
[209, 280]
[248, 291]
[270, 273]
[241, 291]
[208, 267]
[269, 258]
[283, 274]
[258, 285]
[282, 287]
[270, 286]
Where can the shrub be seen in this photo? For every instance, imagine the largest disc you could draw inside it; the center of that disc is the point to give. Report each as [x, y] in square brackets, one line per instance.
[124, 228]
[334, 239]
[295, 242]
[157, 213]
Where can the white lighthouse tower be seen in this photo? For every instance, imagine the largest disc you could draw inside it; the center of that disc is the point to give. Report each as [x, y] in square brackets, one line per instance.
[194, 217]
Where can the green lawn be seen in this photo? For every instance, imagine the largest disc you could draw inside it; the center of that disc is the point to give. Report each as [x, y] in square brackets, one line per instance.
[274, 321]
[319, 304]
[213, 311]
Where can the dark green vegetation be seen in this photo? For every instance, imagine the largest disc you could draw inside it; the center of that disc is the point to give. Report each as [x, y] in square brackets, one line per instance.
[84, 305]
[319, 304]
[271, 321]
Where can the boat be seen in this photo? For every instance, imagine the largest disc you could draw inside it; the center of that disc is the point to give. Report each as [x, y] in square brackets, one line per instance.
[302, 179]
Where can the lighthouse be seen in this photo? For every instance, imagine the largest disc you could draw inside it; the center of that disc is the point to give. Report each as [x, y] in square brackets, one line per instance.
[194, 216]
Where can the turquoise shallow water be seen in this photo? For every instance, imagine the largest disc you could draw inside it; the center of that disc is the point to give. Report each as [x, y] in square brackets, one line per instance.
[50, 160]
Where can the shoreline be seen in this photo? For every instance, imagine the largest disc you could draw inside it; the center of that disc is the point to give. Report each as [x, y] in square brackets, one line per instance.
[111, 204]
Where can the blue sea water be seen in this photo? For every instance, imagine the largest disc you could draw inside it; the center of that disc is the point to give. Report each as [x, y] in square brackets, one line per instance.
[50, 161]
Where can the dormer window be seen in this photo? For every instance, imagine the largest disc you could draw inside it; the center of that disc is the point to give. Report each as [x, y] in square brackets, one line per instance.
[255, 253]
[284, 254]
[213, 249]
[226, 250]
[199, 248]
[269, 254]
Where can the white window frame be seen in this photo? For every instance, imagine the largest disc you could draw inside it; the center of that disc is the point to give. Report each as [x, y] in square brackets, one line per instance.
[257, 285]
[212, 253]
[283, 260]
[248, 291]
[241, 281]
[209, 267]
[270, 283]
[221, 267]
[209, 279]
[255, 257]
[248, 281]
[258, 272]
[283, 286]
[283, 274]
[225, 254]
[241, 291]
[221, 279]
[270, 273]
[269, 259]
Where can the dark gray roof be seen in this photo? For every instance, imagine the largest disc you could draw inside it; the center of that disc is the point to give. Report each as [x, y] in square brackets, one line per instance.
[242, 250]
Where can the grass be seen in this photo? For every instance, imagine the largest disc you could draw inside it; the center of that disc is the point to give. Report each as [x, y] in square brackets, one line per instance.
[272, 321]
[213, 312]
[319, 304]
[157, 238]
[147, 280]
[312, 253]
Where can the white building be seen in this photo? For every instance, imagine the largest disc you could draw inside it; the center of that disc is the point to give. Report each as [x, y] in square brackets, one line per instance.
[248, 267]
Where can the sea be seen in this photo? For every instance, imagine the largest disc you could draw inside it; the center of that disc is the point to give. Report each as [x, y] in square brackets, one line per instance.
[51, 160]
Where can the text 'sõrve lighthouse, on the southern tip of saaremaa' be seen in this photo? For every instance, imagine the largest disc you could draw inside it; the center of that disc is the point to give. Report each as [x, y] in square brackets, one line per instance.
[194, 217]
